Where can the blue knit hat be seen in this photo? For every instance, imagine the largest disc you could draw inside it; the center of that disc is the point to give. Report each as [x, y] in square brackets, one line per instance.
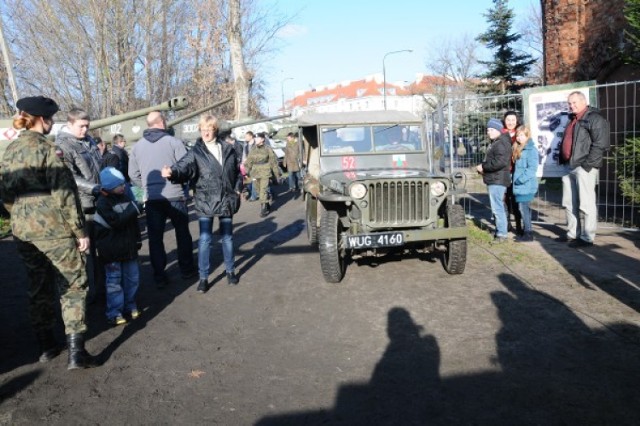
[111, 178]
[494, 123]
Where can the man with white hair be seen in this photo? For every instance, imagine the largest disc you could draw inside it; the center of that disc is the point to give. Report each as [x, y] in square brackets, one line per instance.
[584, 142]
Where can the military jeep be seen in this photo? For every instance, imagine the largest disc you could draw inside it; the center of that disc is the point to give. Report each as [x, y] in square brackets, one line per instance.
[370, 189]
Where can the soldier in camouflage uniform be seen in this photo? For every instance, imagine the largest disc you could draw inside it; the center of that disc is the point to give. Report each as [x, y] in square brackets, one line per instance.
[261, 163]
[48, 227]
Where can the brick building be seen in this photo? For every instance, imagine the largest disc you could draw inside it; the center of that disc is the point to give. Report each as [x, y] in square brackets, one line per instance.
[582, 39]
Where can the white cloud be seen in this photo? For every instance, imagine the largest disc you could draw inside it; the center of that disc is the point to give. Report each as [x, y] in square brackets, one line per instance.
[292, 30]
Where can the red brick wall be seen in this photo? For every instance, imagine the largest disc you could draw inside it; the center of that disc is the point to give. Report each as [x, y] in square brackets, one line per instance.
[581, 38]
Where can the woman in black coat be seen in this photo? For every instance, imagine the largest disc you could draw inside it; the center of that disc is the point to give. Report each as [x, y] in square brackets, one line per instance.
[214, 167]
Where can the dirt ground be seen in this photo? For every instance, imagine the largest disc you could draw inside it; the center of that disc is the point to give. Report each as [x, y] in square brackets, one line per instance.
[530, 334]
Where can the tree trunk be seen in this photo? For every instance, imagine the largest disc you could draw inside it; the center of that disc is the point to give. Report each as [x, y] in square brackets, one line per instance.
[242, 78]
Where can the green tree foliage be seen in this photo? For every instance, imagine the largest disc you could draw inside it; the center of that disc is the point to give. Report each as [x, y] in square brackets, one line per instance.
[632, 32]
[628, 170]
[507, 64]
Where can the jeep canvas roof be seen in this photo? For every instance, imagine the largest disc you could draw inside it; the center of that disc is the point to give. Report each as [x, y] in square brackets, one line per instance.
[357, 117]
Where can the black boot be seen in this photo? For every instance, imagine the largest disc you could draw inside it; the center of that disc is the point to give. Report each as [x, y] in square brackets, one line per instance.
[78, 356]
[264, 210]
[49, 348]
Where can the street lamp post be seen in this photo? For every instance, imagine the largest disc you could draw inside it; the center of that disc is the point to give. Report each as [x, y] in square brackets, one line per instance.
[282, 90]
[384, 74]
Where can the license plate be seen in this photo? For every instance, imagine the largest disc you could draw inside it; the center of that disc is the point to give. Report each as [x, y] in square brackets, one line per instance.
[383, 239]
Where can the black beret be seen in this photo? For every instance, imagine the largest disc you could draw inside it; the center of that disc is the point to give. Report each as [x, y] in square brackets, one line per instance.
[38, 106]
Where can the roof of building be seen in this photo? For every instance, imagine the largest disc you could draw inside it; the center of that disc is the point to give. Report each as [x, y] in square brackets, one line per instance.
[367, 87]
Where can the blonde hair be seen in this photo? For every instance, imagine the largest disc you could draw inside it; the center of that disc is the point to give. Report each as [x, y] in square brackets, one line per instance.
[24, 120]
[208, 121]
[517, 148]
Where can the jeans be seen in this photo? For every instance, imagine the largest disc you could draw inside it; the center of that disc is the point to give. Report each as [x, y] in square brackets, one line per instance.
[579, 202]
[525, 211]
[496, 198]
[293, 180]
[157, 213]
[122, 280]
[204, 244]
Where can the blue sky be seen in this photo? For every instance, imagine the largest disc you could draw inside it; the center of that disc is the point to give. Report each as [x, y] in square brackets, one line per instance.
[336, 40]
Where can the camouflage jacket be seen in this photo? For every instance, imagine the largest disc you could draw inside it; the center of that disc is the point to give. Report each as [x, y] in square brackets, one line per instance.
[39, 191]
[292, 156]
[261, 162]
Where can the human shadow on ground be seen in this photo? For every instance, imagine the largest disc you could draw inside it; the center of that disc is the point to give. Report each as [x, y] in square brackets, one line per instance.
[603, 266]
[16, 384]
[550, 368]
[272, 239]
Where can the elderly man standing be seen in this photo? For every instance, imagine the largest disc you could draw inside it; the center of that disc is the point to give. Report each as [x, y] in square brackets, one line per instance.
[163, 199]
[584, 142]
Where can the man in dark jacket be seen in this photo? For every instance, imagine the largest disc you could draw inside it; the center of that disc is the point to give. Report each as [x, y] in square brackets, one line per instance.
[584, 142]
[496, 174]
[117, 157]
[83, 158]
[215, 167]
[162, 199]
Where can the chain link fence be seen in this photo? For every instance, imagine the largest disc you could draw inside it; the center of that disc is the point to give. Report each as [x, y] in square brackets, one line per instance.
[458, 132]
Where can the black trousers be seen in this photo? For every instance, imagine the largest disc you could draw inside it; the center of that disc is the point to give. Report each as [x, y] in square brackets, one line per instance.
[512, 208]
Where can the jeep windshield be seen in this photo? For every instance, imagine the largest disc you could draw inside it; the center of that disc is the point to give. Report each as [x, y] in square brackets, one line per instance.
[340, 140]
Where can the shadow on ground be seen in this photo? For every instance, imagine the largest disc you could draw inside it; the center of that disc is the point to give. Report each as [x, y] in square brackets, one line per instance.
[550, 369]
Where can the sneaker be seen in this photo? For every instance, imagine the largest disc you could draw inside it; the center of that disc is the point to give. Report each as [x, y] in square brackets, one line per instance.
[135, 314]
[525, 238]
[232, 279]
[580, 243]
[203, 286]
[162, 283]
[499, 240]
[565, 239]
[119, 320]
[189, 274]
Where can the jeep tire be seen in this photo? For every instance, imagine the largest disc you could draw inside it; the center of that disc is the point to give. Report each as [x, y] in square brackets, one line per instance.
[332, 256]
[454, 258]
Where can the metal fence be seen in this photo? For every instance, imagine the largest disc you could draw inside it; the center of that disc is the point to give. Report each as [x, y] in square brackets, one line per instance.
[458, 131]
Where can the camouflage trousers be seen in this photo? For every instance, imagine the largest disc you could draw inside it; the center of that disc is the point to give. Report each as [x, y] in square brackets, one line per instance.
[262, 186]
[52, 263]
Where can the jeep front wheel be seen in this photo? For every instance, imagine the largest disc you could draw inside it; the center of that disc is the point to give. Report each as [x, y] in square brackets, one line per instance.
[455, 256]
[311, 215]
[332, 255]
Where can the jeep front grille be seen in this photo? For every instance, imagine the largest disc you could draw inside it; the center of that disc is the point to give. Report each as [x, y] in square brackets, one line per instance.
[403, 202]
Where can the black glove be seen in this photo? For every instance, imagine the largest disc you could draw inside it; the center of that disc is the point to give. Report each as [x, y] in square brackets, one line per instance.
[95, 191]
[138, 245]
[139, 206]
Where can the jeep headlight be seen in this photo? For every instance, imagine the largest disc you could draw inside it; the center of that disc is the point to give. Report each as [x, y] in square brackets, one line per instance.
[357, 191]
[437, 189]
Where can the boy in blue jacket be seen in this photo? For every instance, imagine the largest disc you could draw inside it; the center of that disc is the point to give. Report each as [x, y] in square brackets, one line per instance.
[118, 240]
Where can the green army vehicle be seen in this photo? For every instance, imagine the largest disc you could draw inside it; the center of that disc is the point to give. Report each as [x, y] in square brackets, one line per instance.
[371, 188]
